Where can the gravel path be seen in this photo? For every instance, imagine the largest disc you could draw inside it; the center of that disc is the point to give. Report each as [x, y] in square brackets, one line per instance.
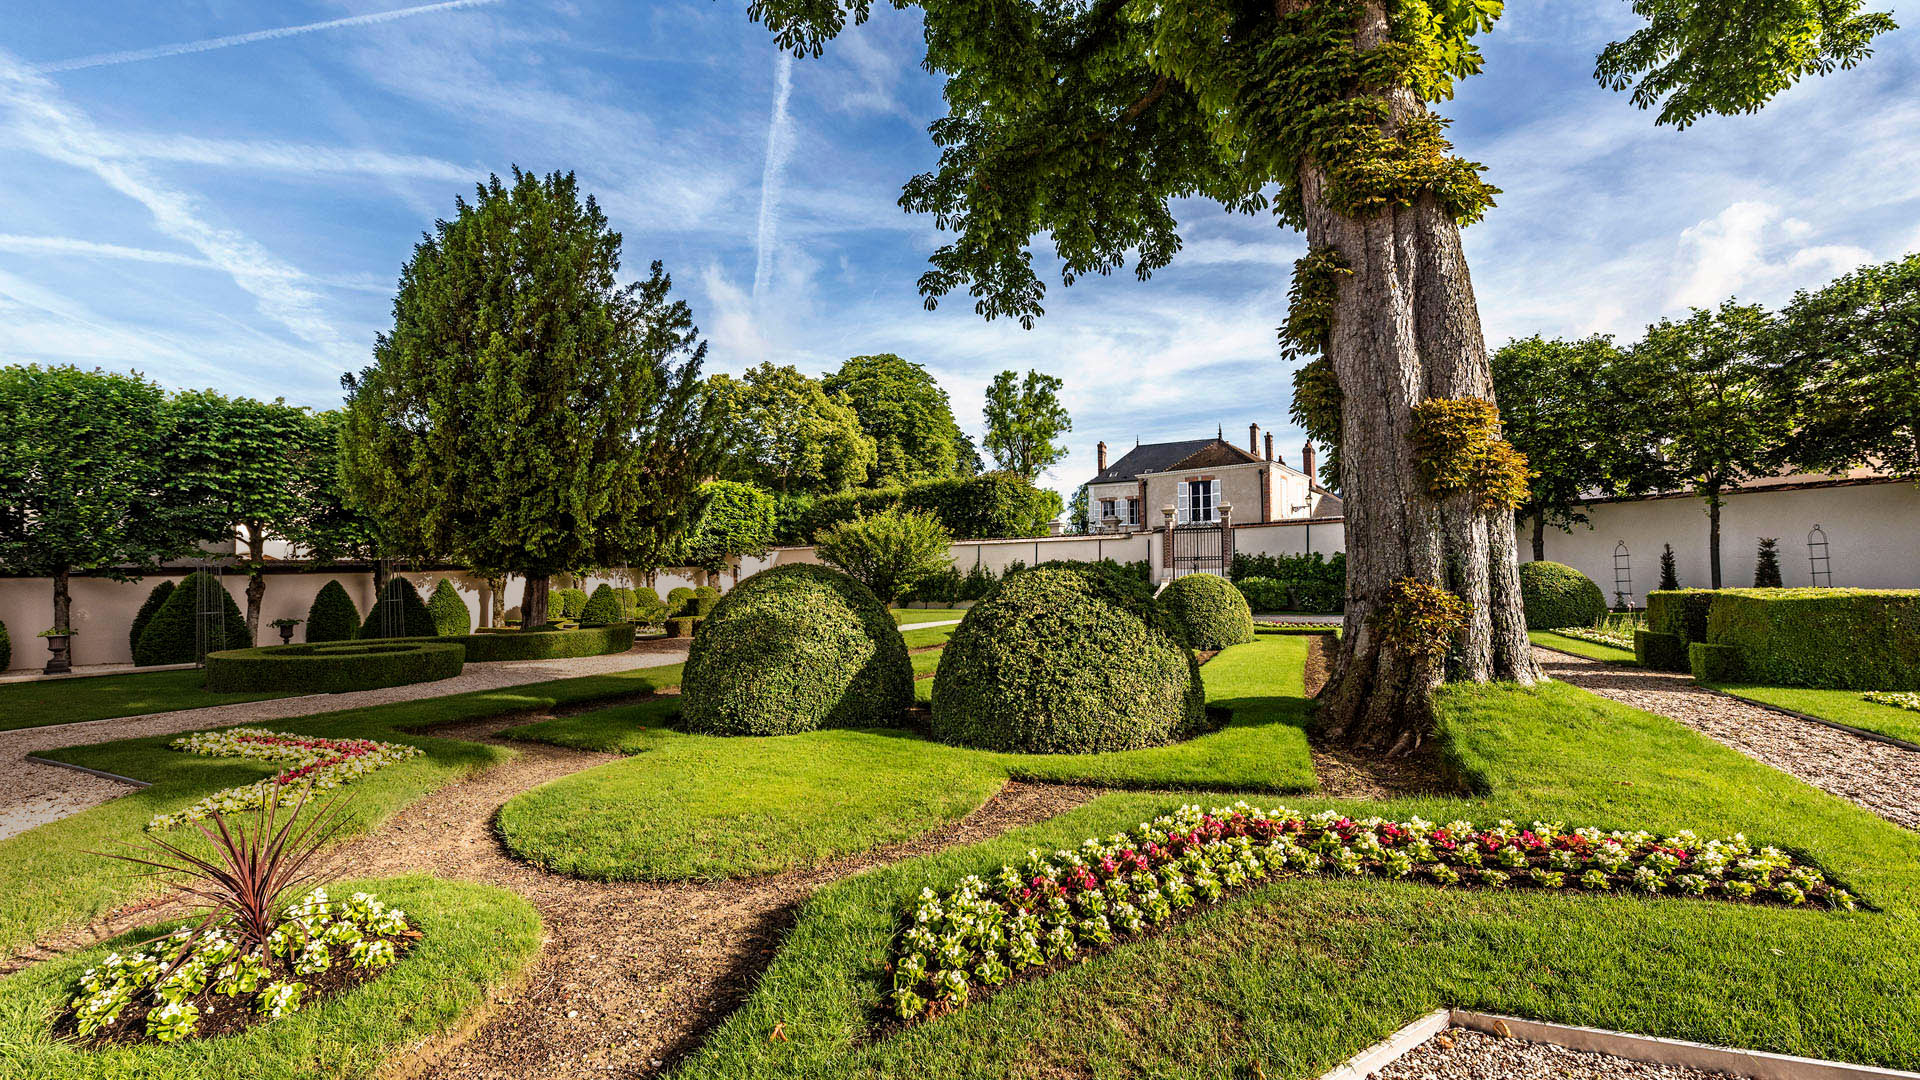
[1460, 1054]
[1883, 778]
[34, 794]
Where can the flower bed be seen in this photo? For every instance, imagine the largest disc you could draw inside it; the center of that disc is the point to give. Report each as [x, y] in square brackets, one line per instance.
[1619, 636]
[201, 982]
[1897, 698]
[1059, 907]
[323, 763]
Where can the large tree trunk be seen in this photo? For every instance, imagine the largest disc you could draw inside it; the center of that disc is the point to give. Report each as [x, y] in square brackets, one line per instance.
[256, 580]
[533, 601]
[62, 600]
[1539, 538]
[1405, 329]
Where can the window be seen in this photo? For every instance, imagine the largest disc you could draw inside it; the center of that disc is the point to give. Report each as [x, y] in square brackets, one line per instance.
[1130, 512]
[1106, 510]
[1197, 501]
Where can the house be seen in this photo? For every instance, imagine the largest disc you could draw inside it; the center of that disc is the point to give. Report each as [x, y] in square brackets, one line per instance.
[1200, 479]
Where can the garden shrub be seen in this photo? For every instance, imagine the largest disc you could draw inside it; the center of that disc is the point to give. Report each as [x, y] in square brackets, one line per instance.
[1265, 594]
[940, 587]
[627, 599]
[332, 668]
[1680, 612]
[794, 649]
[1836, 639]
[694, 603]
[1213, 612]
[400, 609]
[1715, 663]
[332, 616]
[1556, 595]
[1062, 660]
[978, 584]
[1113, 580]
[1311, 582]
[6, 648]
[676, 599]
[145, 615]
[169, 637]
[540, 644]
[566, 603]
[602, 608]
[682, 626]
[1659, 651]
[890, 552]
[449, 612]
[648, 609]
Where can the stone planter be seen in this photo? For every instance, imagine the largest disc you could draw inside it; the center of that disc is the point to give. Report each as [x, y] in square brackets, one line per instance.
[286, 635]
[61, 646]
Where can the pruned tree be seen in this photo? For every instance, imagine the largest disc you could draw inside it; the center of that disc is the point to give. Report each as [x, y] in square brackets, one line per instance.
[905, 413]
[1852, 353]
[1085, 120]
[529, 412]
[889, 552]
[733, 520]
[329, 526]
[1024, 417]
[784, 432]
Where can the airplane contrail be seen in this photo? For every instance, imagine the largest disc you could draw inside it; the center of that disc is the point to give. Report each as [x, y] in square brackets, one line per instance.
[209, 44]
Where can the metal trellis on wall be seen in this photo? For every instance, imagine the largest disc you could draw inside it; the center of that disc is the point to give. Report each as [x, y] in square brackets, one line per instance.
[209, 611]
[1818, 561]
[1622, 577]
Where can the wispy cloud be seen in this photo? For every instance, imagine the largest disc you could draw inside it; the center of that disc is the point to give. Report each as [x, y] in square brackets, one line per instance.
[773, 173]
[183, 48]
[67, 245]
[269, 156]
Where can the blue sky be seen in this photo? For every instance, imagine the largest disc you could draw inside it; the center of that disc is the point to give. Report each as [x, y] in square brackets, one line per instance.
[221, 194]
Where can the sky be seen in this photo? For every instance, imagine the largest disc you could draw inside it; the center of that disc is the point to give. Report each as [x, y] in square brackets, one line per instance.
[221, 194]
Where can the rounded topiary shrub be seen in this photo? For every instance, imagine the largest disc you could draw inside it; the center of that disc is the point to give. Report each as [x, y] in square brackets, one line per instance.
[648, 608]
[145, 615]
[398, 613]
[450, 615]
[332, 616]
[602, 608]
[1056, 661]
[173, 635]
[677, 598]
[1212, 612]
[794, 649]
[1557, 595]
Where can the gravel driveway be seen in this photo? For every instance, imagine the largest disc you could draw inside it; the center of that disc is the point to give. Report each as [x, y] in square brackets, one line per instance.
[33, 794]
[1881, 777]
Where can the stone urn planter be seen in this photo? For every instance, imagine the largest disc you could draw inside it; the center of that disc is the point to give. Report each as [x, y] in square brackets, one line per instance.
[61, 646]
[285, 626]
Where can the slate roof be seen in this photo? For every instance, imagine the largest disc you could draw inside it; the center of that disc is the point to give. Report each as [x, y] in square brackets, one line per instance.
[1160, 457]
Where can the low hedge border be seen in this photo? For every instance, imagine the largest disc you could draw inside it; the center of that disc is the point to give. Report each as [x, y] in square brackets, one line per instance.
[333, 668]
[1715, 663]
[683, 627]
[493, 644]
[1657, 651]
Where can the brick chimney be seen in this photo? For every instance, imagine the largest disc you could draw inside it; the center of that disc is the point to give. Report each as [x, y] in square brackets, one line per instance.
[1253, 439]
[1306, 466]
[1103, 457]
[1269, 446]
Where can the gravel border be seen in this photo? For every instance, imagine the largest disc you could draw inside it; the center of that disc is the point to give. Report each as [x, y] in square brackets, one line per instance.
[1462, 1054]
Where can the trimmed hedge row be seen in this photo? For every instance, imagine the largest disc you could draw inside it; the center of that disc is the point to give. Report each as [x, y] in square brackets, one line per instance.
[1715, 663]
[683, 626]
[1836, 639]
[332, 668]
[488, 646]
[1676, 618]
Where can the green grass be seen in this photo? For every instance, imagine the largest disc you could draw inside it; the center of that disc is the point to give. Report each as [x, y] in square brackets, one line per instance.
[51, 881]
[476, 936]
[691, 806]
[1840, 706]
[910, 616]
[1300, 974]
[1592, 650]
[103, 697]
[932, 635]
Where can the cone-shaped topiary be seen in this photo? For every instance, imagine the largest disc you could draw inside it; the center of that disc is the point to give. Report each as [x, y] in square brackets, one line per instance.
[1213, 612]
[398, 613]
[1766, 564]
[793, 649]
[145, 615]
[1055, 661]
[332, 616]
[1669, 573]
[170, 637]
[602, 608]
[1556, 595]
[450, 615]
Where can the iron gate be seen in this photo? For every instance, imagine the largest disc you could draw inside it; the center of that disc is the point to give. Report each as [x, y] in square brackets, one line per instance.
[1199, 548]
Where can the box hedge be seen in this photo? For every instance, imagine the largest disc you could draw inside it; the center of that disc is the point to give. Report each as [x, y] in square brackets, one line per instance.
[547, 644]
[1660, 652]
[332, 668]
[1557, 596]
[794, 649]
[1836, 639]
[332, 616]
[170, 636]
[602, 608]
[1680, 612]
[449, 612]
[1712, 663]
[145, 615]
[1212, 612]
[682, 625]
[399, 613]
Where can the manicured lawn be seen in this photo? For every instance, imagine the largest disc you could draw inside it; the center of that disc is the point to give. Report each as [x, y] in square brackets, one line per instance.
[700, 806]
[1840, 706]
[932, 635]
[1592, 650]
[910, 616]
[102, 697]
[476, 936]
[1296, 976]
[51, 881]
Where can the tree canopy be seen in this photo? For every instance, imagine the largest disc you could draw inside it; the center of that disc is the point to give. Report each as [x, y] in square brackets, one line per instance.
[905, 413]
[1024, 417]
[733, 520]
[1852, 353]
[785, 432]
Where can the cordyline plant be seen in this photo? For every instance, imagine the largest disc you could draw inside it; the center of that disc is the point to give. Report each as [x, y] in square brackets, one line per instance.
[255, 863]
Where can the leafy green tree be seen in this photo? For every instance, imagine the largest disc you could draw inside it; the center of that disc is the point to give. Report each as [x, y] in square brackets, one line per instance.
[329, 526]
[450, 615]
[528, 413]
[1713, 404]
[1024, 417]
[1852, 353]
[234, 464]
[1086, 120]
[1079, 516]
[786, 433]
[734, 520]
[1559, 406]
[889, 552]
[906, 414]
[82, 480]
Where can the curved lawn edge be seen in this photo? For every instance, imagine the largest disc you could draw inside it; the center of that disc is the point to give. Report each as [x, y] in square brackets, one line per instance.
[476, 937]
[1305, 972]
[1591, 650]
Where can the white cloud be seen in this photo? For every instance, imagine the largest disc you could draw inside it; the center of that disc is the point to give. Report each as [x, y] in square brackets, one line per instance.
[66, 245]
[273, 156]
[773, 173]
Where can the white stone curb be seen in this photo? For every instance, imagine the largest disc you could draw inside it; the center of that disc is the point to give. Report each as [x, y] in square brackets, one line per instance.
[1398, 1045]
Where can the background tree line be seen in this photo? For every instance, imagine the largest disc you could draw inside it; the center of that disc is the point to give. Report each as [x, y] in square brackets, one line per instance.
[1710, 401]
